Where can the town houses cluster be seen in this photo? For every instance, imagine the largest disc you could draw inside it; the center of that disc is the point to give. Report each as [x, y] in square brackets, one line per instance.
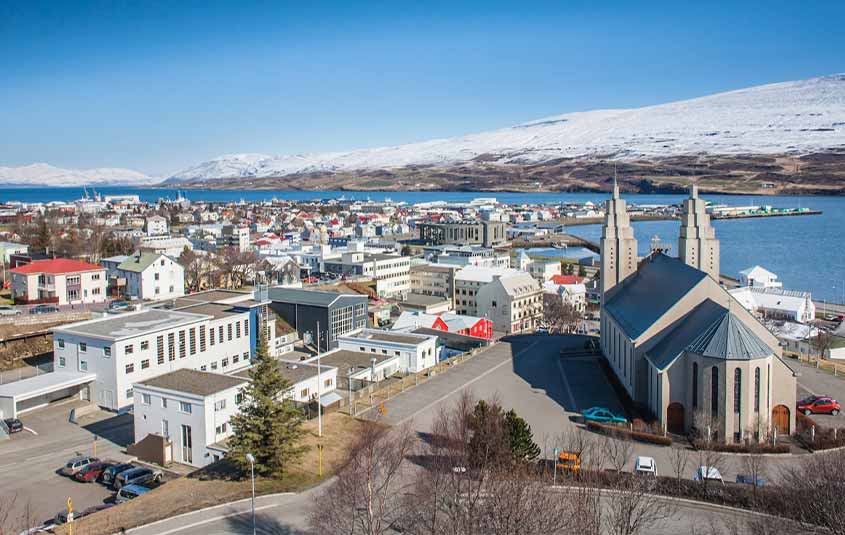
[349, 293]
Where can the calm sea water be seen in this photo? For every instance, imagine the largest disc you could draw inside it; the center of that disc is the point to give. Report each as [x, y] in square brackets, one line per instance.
[806, 252]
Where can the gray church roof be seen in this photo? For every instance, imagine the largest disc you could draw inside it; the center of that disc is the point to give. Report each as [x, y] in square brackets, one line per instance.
[648, 294]
[729, 338]
[712, 331]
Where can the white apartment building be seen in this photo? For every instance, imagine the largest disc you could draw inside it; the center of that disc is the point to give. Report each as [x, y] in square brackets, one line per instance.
[60, 281]
[147, 275]
[468, 282]
[130, 347]
[391, 273]
[416, 352]
[190, 408]
[156, 226]
[170, 246]
[514, 303]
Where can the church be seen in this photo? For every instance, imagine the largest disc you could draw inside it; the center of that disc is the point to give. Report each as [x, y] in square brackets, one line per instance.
[679, 343]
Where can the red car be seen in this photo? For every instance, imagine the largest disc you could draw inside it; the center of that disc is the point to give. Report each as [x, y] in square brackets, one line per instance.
[91, 473]
[819, 405]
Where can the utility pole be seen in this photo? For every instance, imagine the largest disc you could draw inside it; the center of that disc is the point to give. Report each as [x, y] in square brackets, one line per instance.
[319, 409]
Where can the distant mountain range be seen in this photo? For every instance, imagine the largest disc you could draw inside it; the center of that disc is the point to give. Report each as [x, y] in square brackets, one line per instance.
[785, 137]
[42, 174]
[791, 118]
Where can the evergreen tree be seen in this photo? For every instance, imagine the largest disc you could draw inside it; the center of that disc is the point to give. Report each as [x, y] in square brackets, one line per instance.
[488, 443]
[267, 426]
[520, 438]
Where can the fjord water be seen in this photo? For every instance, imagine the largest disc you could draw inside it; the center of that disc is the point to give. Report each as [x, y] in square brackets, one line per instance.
[806, 252]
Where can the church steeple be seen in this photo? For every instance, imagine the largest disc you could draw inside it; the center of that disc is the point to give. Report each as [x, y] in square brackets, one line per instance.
[618, 246]
[697, 244]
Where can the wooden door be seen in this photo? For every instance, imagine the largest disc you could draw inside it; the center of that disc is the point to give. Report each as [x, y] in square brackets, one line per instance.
[780, 419]
[675, 418]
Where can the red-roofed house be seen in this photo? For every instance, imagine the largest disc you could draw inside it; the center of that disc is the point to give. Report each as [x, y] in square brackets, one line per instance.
[60, 280]
[567, 279]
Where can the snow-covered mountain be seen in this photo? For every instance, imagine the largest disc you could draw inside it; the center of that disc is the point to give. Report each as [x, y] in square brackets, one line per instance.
[42, 174]
[791, 117]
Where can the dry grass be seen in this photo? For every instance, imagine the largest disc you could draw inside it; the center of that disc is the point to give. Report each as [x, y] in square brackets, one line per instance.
[196, 492]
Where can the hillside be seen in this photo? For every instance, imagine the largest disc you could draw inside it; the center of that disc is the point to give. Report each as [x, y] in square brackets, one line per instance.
[790, 135]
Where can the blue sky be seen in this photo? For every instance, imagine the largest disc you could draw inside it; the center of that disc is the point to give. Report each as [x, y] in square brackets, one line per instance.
[157, 86]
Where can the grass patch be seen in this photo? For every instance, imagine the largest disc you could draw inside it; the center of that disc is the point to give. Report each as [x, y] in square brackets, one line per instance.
[219, 483]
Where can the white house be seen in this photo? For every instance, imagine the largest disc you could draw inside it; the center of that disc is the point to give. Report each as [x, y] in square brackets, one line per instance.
[571, 294]
[305, 384]
[359, 367]
[776, 303]
[514, 303]
[61, 281]
[758, 277]
[416, 352]
[156, 226]
[190, 408]
[147, 275]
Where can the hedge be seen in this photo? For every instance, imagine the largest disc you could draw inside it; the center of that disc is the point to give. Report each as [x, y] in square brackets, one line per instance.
[621, 432]
[740, 448]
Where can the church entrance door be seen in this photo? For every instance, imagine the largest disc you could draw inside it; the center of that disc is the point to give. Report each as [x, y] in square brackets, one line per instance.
[780, 419]
[675, 418]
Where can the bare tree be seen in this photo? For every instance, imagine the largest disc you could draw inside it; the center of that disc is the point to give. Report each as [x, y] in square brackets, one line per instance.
[678, 460]
[811, 493]
[822, 342]
[755, 465]
[558, 315]
[367, 495]
[631, 507]
[619, 452]
[707, 461]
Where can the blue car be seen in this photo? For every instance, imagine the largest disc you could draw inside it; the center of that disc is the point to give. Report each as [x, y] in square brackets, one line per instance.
[602, 415]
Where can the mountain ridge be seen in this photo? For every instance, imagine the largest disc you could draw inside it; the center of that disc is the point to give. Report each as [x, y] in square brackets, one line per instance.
[43, 174]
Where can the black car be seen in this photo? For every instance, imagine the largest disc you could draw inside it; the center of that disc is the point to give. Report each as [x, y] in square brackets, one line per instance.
[110, 474]
[14, 425]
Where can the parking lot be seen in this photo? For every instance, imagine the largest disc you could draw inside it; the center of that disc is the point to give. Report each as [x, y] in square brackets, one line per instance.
[29, 461]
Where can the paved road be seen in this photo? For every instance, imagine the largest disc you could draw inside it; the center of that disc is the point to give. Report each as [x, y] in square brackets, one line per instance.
[523, 374]
[817, 382]
[28, 462]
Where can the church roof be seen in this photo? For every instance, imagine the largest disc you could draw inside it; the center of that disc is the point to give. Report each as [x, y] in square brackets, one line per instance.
[647, 295]
[729, 338]
[712, 331]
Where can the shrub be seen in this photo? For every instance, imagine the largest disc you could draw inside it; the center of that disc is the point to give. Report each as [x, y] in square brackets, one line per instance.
[621, 432]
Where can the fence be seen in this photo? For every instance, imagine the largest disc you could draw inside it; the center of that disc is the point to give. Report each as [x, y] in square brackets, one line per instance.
[374, 394]
[829, 366]
[10, 376]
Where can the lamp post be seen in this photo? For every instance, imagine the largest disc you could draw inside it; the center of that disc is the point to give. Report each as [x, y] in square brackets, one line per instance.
[251, 459]
[319, 409]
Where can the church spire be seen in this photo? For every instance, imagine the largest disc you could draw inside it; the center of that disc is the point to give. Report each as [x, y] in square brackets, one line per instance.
[697, 244]
[618, 246]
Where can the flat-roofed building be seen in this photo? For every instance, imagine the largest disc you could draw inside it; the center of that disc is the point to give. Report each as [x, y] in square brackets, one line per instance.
[415, 352]
[335, 313]
[485, 233]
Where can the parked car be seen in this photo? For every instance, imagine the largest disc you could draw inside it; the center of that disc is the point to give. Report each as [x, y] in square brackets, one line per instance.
[6, 310]
[91, 473]
[118, 305]
[14, 425]
[819, 405]
[645, 466]
[109, 474]
[43, 309]
[76, 464]
[708, 473]
[602, 415]
[746, 479]
[136, 476]
[129, 492]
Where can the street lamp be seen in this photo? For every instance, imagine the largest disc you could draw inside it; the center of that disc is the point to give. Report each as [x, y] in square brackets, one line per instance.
[251, 459]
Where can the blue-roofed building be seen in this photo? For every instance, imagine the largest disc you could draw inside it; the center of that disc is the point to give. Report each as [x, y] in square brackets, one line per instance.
[681, 345]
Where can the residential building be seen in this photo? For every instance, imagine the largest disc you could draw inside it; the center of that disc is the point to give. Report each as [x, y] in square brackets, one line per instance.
[416, 352]
[446, 322]
[167, 245]
[146, 275]
[356, 369]
[234, 236]
[434, 280]
[759, 277]
[309, 311]
[9, 248]
[390, 272]
[190, 410]
[156, 225]
[61, 281]
[514, 303]
[468, 282]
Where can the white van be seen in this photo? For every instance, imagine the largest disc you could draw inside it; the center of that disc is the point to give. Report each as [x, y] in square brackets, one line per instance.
[645, 466]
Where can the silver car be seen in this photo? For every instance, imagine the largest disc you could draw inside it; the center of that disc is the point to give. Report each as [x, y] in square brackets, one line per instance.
[76, 464]
[6, 310]
[136, 476]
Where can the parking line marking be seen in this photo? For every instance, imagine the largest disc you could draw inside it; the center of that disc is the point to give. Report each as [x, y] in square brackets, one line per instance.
[474, 379]
[566, 385]
[30, 430]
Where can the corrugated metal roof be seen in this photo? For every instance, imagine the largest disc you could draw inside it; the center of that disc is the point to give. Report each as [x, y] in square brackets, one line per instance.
[648, 294]
[685, 331]
[729, 338]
